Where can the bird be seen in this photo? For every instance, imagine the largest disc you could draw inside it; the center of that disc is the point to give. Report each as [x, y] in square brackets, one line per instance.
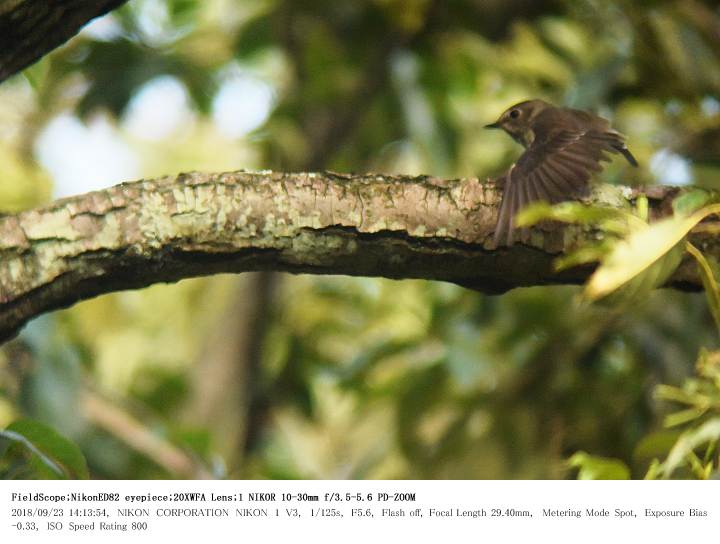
[563, 148]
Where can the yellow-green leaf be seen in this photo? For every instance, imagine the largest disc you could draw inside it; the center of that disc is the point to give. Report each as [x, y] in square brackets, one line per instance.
[708, 278]
[707, 432]
[592, 467]
[640, 250]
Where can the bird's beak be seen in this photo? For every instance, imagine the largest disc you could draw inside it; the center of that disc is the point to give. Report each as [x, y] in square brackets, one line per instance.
[496, 124]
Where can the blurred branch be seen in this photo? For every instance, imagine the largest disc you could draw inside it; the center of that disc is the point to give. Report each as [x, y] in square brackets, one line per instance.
[134, 433]
[265, 285]
[30, 29]
[226, 382]
[136, 234]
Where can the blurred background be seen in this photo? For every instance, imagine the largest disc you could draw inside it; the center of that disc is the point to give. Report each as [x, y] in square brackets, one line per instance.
[278, 376]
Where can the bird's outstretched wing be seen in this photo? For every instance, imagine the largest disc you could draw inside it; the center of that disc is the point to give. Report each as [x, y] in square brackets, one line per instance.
[556, 169]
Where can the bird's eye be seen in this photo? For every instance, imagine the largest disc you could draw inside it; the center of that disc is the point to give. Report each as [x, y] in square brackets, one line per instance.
[514, 114]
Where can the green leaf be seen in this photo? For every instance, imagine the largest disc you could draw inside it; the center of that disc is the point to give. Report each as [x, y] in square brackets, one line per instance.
[592, 467]
[654, 470]
[183, 12]
[673, 394]
[575, 212]
[641, 249]
[422, 395]
[42, 452]
[255, 36]
[590, 253]
[642, 207]
[689, 202]
[655, 445]
[37, 73]
[684, 416]
[534, 213]
[708, 278]
[688, 441]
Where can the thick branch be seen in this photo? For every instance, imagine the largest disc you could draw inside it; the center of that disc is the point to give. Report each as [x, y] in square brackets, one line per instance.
[31, 28]
[163, 230]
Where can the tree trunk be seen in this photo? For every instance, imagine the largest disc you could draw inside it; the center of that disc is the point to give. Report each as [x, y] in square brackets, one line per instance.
[30, 29]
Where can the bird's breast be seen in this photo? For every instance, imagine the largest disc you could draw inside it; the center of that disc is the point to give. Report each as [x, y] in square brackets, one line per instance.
[525, 137]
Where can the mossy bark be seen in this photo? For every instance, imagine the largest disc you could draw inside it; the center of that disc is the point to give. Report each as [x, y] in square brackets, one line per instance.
[163, 230]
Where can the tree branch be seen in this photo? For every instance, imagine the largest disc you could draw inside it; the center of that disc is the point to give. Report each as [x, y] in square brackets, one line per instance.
[167, 229]
[31, 28]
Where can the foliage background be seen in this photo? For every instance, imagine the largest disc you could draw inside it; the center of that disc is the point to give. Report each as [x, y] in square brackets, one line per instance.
[332, 377]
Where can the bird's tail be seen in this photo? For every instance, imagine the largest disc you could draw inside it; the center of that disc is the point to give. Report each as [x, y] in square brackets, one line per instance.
[513, 200]
[617, 142]
[626, 153]
[517, 195]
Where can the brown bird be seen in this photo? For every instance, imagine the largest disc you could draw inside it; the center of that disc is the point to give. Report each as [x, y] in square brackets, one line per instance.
[563, 147]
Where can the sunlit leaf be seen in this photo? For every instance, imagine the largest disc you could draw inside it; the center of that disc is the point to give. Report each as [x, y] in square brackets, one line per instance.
[708, 366]
[673, 394]
[640, 250]
[654, 470]
[684, 416]
[592, 467]
[712, 291]
[590, 253]
[572, 212]
[638, 288]
[37, 73]
[707, 432]
[642, 208]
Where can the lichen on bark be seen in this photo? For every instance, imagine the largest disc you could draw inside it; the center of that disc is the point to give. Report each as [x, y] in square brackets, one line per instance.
[194, 224]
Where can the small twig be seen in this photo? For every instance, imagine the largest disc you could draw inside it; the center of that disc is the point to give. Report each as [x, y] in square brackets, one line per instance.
[127, 428]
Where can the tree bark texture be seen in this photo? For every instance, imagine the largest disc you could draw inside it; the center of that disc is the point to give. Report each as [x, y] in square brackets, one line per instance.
[166, 229]
[30, 29]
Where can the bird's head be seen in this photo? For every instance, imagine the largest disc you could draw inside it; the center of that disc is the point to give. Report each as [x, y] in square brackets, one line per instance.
[517, 120]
